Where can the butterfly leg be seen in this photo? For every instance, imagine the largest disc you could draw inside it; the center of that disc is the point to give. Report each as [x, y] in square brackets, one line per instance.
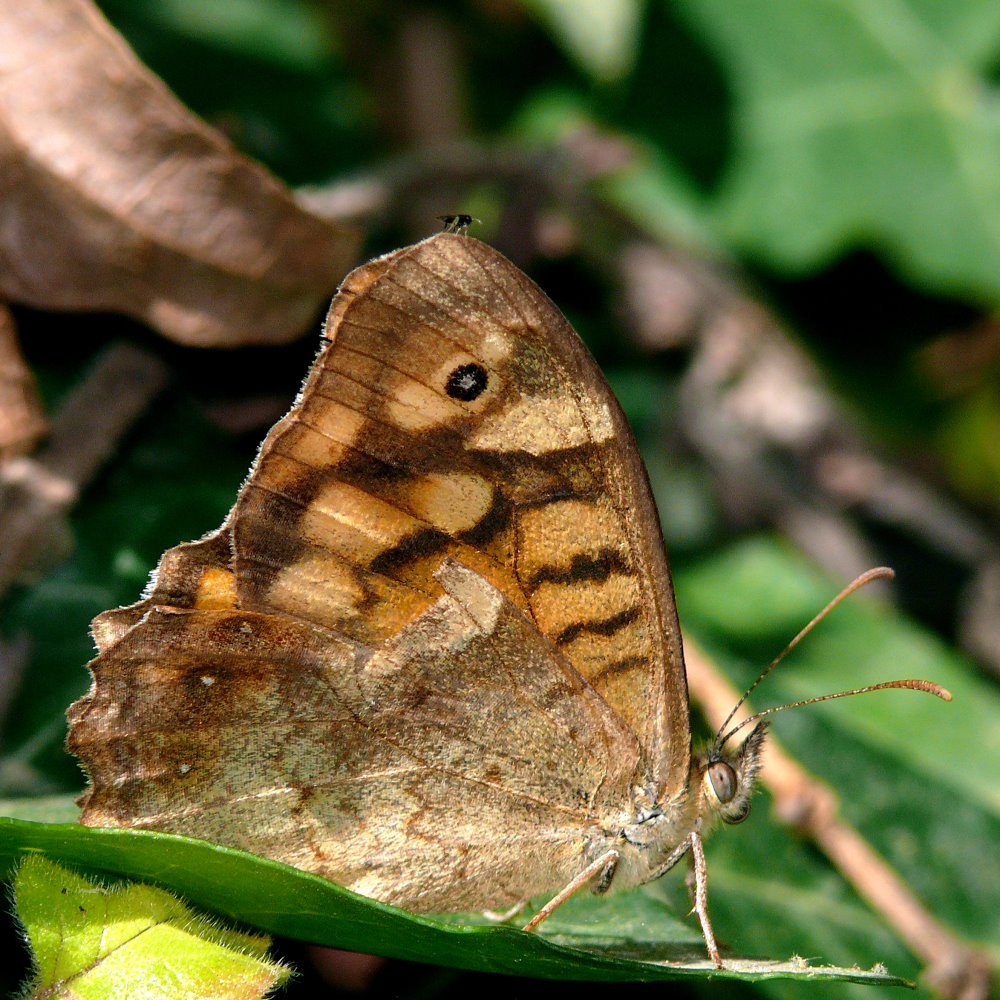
[700, 870]
[607, 860]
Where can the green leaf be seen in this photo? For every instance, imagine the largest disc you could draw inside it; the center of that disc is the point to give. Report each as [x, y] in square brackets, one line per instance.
[650, 188]
[293, 35]
[601, 35]
[864, 124]
[630, 937]
[900, 761]
[968, 443]
[97, 943]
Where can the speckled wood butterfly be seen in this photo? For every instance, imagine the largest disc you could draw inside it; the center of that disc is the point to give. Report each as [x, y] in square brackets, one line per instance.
[432, 654]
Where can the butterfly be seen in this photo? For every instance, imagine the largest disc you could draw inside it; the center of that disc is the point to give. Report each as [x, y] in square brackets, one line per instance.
[433, 652]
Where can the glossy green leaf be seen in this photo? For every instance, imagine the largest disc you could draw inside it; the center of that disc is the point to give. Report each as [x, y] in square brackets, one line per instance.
[601, 35]
[863, 124]
[630, 937]
[899, 760]
[293, 35]
[858, 644]
[917, 776]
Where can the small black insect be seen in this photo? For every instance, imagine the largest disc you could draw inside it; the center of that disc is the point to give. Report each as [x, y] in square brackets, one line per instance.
[457, 223]
[467, 382]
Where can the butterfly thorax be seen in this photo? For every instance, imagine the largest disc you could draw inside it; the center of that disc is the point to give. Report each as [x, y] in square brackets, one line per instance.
[648, 842]
[655, 834]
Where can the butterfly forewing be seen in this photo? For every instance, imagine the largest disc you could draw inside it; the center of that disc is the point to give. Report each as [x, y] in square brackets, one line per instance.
[380, 472]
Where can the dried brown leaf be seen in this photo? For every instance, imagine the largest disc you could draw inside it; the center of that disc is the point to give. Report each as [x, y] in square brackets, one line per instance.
[22, 421]
[116, 197]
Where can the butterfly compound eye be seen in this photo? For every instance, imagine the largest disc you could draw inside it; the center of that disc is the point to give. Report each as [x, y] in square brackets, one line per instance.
[723, 779]
[467, 382]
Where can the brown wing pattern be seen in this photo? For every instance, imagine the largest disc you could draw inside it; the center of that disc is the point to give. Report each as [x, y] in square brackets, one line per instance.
[383, 469]
[385, 641]
[467, 712]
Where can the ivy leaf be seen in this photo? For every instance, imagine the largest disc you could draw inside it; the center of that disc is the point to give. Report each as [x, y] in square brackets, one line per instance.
[600, 35]
[864, 124]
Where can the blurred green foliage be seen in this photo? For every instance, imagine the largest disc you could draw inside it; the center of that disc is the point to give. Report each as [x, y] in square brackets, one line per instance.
[846, 156]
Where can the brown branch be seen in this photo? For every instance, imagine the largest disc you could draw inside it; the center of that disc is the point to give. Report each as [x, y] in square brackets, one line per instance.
[954, 969]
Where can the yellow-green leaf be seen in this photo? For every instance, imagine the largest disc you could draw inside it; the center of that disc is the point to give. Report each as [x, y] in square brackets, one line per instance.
[97, 943]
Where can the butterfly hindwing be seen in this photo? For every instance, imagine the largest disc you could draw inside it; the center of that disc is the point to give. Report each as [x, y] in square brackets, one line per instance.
[373, 769]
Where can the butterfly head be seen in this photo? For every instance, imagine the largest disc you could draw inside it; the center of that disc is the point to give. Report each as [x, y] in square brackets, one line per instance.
[728, 777]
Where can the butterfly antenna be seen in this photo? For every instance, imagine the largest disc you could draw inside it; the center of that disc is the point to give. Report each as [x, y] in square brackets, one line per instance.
[910, 685]
[878, 573]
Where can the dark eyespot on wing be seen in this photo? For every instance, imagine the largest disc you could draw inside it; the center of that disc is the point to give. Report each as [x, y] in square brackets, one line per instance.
[467, 382]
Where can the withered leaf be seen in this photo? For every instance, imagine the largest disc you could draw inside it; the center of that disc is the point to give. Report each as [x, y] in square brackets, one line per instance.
[116, 197]
[22, 421]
